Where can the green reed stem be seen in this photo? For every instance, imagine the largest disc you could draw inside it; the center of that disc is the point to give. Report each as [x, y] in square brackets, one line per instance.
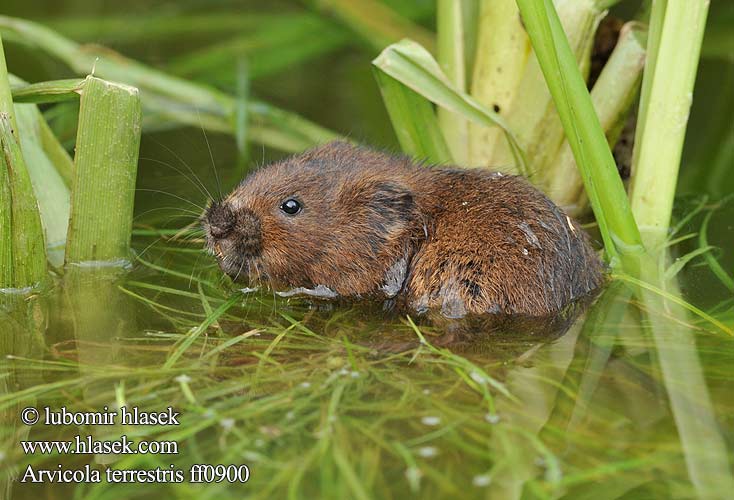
[677, 29]
[583, 130]
[106, 163]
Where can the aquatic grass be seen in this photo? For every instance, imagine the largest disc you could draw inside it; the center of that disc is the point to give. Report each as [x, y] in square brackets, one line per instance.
[726, 279]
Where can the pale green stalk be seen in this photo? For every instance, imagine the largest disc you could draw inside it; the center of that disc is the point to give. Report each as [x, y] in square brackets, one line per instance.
[500, 60]
[6, 204]
[106, 163]
[450, 56]
[6, 235]
[532, 115]
[612, 96]
[6, 98]
[664, 109]
[583, 131]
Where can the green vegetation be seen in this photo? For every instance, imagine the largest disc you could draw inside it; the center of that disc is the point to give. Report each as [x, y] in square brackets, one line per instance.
[338, 401]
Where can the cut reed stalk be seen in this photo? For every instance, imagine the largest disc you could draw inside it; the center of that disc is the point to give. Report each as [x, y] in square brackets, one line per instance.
[106, 161]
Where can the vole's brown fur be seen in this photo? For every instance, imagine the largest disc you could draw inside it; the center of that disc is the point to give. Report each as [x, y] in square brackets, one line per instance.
[373, 224]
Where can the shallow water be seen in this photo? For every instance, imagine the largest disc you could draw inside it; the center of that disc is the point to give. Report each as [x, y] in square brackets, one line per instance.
[327, 400]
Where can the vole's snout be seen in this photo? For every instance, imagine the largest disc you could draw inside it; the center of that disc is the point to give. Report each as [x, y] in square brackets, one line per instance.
[232, 235]
[219, 220]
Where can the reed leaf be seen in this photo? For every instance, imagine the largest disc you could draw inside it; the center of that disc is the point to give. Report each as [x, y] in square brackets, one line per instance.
[583, 131]
[414, 121]
[613, 95]
[28, 266]
[410, 64]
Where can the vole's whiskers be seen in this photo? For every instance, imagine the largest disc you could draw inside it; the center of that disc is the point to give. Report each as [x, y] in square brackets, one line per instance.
[211, 155]
[195, 181]
[166, 193]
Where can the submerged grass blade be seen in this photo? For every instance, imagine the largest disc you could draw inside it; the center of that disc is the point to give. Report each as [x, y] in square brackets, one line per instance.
[106, 164]
[191, 337]
[411, 65]
[583, 131]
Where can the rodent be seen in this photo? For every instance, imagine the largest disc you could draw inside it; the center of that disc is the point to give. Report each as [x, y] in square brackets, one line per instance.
[366, 223]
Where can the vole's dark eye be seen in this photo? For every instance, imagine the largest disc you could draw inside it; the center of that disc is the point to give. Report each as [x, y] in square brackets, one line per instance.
[291, 206]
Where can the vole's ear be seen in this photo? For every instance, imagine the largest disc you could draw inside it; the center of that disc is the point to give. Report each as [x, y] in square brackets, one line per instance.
[387, 206]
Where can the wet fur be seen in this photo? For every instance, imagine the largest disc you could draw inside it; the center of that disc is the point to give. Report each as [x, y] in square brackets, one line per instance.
[377, 225]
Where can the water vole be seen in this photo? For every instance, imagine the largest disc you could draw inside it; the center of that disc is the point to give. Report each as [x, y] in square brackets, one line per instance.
[364, 223]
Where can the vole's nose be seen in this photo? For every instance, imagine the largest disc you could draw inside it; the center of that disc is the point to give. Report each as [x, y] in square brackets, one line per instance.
[221, 220]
